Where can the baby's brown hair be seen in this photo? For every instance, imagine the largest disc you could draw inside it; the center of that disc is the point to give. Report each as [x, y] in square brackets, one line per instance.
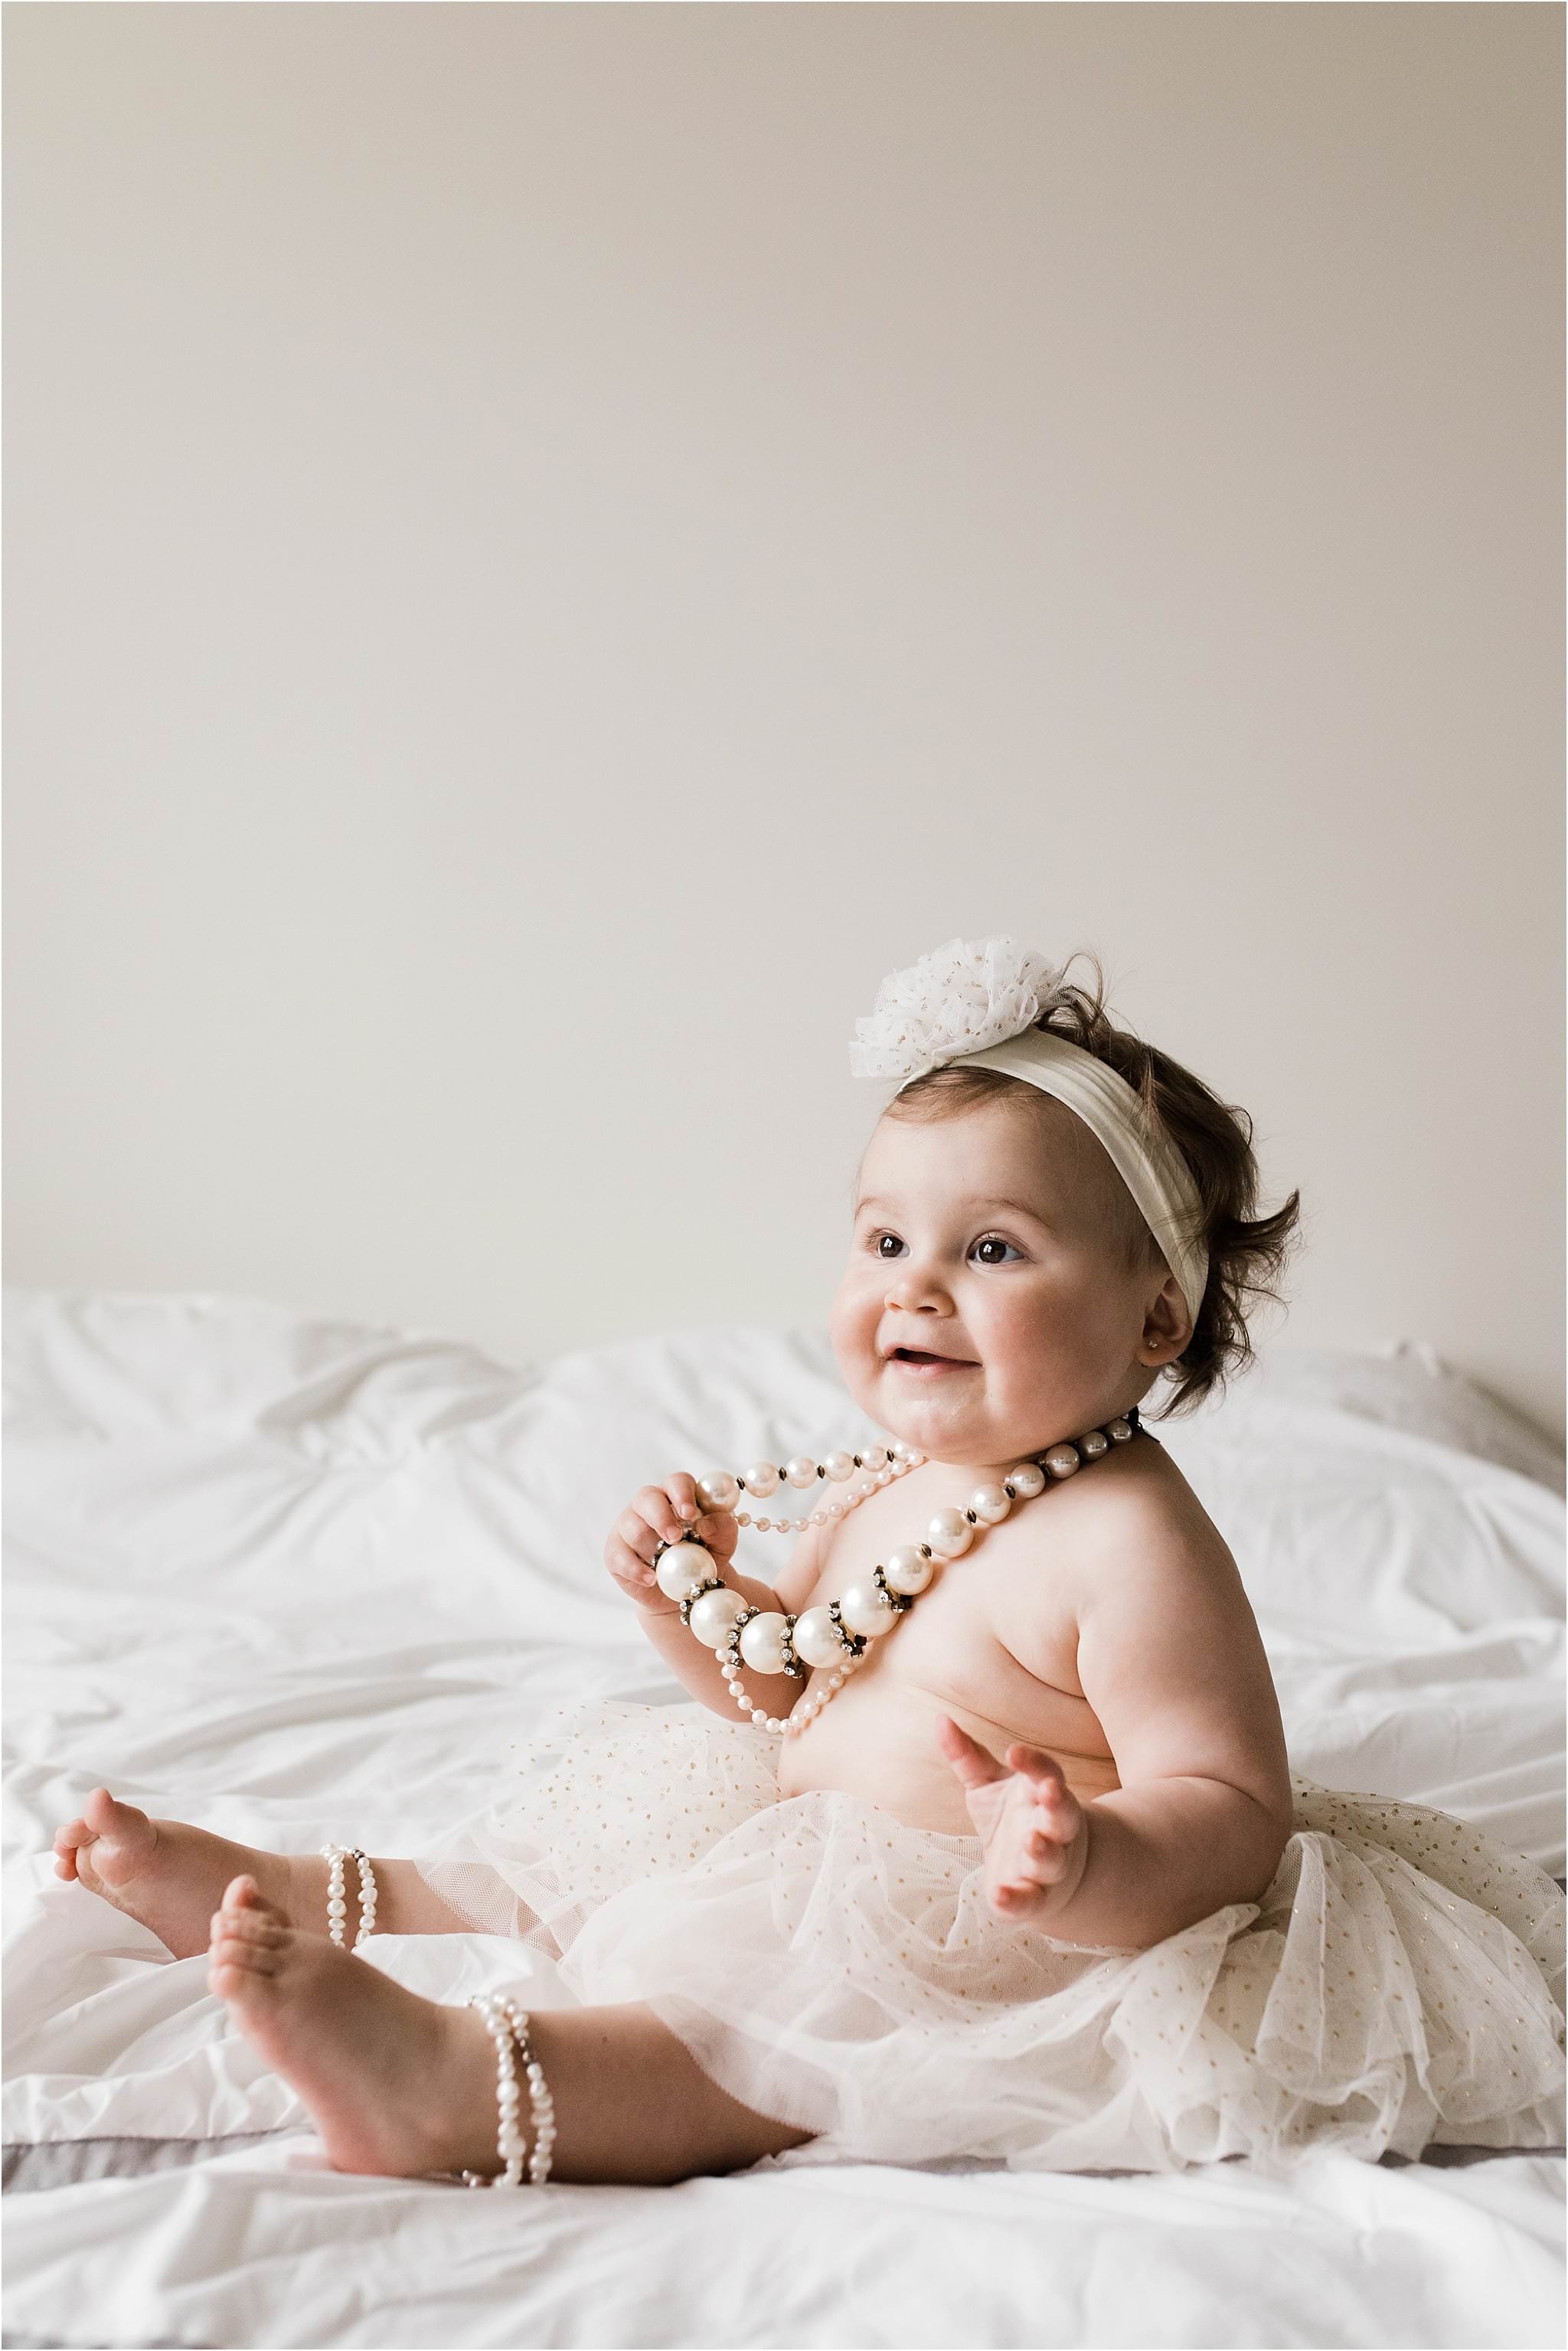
[1247, 1253]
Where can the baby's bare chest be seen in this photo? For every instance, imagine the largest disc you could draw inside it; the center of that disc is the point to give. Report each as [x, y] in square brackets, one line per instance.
[993, 1640]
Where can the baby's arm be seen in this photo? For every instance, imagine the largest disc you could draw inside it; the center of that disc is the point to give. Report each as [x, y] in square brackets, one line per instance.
[1170, 1658]
[664, 1513]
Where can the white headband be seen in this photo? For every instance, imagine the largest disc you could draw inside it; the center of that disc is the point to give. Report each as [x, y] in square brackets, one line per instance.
[974, 1004]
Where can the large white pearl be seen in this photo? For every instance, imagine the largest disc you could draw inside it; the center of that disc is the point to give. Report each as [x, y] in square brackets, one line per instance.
[1094, 1442]
[762, 1641]
[801, 1471]
[1027, 1480]
[909, 1571]
[684, 1564]
[762, 1480]
[839, 1466]
[816, 1641]
[1118, 1431]
[949, 1534]
[713, 1615]
[990, 1504]
[866, 1609]
[875, 1457]
[1062, 1460]
[718, 1491]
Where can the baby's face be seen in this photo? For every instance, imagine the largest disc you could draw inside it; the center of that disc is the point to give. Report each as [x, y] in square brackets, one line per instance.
[987, 1309]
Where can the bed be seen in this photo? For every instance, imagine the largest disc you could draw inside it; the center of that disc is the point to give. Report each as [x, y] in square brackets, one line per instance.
[295, 1579]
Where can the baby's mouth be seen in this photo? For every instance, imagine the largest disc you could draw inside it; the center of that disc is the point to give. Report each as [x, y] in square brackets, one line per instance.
[921, 1360]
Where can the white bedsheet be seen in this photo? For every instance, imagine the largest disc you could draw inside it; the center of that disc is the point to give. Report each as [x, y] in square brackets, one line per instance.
[294, 1579]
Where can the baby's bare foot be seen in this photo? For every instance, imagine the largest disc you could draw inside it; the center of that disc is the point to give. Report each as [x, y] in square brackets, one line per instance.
[394, 2083]
[169, 1876]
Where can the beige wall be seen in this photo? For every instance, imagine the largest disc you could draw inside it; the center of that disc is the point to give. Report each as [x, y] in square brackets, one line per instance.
[550, 545]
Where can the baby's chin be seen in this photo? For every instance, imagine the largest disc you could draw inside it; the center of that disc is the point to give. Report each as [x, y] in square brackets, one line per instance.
[943, 1414]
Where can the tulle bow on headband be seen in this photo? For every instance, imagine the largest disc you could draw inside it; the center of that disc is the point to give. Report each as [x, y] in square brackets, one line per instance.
[957, 999]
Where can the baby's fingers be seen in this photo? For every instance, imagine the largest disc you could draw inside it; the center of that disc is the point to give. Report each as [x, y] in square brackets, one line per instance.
[682, 1491]
[717, 1531]
[972, 1763]
[1046, 1859]
[1018, 1897]
[1037, 1865]
[660, 1515]
[626, 1566]
[1032, 1763]
[1050, 1797]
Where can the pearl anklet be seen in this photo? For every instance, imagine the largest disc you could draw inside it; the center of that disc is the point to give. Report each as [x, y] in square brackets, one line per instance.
[335, 1856]
[507, 2025]
[768, 1640]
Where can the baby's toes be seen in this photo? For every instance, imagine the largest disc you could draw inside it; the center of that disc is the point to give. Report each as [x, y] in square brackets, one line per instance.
[242, 1894]
[248, 1933]
[76, 1832]
[236, 1968]
[259, 1932]
[234, 1957]
[243, 1949]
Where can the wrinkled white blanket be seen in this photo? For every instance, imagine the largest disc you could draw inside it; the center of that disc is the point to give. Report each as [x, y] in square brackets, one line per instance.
[294, 1580]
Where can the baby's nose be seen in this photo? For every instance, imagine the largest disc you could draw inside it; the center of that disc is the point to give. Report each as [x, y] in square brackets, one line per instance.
[913, 1292]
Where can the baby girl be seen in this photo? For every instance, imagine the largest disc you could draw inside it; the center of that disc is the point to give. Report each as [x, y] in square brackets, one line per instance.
[1027, 1877]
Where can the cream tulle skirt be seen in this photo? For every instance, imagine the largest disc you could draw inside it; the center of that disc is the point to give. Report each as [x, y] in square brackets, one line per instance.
[1400, 1981]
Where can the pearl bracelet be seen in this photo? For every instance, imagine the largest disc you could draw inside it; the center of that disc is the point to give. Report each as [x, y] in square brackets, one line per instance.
[335, 1856]
[770, 1641]
[507, 2025]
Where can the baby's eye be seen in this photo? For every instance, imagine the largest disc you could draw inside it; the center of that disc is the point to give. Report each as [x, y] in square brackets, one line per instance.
[885, 1244]
[991, 1250]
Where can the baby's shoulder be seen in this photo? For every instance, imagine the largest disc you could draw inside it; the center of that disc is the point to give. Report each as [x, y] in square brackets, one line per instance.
[1133, 1522]
[1125, 1547]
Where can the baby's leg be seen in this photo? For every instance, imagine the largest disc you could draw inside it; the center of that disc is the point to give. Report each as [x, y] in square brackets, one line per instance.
[400, 2085]
[172, 1878]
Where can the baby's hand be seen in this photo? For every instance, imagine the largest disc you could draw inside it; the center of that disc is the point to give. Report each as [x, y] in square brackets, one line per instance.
[664, 1514]
[1036, 1832]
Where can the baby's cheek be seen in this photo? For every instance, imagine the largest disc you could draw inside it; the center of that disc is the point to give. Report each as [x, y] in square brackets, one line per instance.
[852, 1327]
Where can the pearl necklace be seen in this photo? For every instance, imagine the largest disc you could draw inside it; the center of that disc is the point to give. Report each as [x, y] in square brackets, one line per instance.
[770, 1641]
